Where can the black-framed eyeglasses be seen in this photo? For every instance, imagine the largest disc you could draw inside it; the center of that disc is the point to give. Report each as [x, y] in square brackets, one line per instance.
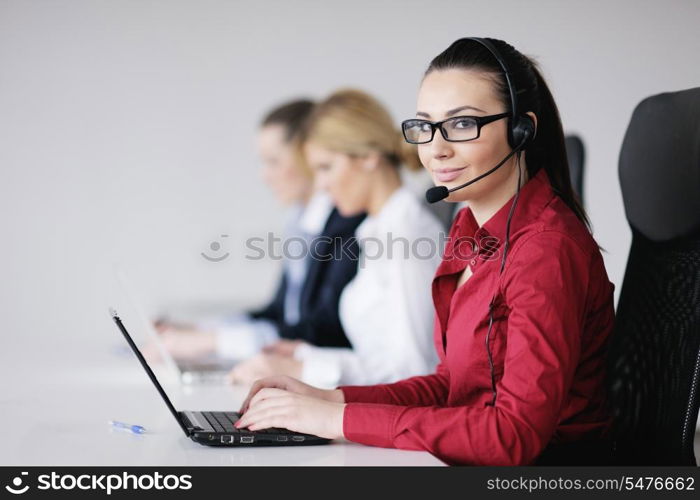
[455, 129]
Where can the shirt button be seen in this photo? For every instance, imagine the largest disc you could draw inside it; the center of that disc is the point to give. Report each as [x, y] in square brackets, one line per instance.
[473, 262]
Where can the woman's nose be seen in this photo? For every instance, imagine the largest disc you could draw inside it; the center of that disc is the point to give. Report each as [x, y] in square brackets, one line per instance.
[440, 148]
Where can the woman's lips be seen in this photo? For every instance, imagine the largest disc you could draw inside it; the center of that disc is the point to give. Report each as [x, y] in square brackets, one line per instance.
[447, 174]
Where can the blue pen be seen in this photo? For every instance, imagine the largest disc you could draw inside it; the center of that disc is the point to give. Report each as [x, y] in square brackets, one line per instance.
[136, 429]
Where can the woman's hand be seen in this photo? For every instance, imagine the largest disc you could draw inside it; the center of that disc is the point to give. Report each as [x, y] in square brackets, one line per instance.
[264, 365]
[272, 407]
[161, 324]
[292, 385]
[283, 347]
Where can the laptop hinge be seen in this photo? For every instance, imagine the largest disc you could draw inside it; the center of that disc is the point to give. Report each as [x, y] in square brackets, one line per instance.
[186, 422]
[192, 421]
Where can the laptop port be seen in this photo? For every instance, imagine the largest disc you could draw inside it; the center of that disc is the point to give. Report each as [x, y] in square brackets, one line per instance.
[226, 439]
[247, 439]
[297, 438]
[281, 438]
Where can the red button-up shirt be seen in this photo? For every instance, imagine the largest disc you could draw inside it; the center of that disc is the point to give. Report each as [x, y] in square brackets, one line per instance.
[553, 317]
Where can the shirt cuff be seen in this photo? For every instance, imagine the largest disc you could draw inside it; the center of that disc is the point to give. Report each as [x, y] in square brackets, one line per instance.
[320, 366]
[244, 339]
[370, 424]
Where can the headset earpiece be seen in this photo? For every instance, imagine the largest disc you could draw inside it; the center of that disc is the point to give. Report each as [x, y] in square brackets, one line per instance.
[521, 132]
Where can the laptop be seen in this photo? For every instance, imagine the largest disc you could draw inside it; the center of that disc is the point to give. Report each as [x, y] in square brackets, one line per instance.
[211, 369]
[215, 428]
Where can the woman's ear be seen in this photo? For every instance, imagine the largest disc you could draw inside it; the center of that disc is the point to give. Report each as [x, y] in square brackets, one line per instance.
[534, 119]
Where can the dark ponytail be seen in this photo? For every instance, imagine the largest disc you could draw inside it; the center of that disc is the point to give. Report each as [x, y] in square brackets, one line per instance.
[548, 149]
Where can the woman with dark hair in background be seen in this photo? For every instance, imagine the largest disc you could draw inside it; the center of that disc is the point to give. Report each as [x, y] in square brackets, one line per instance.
[305, 306]
[524, 305]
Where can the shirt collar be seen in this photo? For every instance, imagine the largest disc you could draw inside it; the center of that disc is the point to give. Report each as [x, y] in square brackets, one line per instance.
[534, 195]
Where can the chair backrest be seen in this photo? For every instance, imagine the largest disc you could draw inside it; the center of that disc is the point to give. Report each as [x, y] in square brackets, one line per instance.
[654, 363]
[576, 154]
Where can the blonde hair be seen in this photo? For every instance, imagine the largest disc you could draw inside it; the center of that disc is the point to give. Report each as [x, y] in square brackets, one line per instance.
[352, 122]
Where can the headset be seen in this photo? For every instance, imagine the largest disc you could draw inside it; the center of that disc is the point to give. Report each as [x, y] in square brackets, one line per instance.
[521, 132]
[521, 127]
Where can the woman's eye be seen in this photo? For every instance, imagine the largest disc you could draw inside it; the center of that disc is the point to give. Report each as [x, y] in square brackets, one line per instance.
[462, 124]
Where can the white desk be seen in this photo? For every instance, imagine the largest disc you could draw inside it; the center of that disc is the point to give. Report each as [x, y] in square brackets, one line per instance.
[59, 416]
[56, 414]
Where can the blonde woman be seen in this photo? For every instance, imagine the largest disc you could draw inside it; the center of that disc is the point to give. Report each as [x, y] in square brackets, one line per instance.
[356, 153]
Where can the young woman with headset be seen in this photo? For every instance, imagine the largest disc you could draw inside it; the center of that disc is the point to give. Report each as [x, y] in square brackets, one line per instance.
[524, 307]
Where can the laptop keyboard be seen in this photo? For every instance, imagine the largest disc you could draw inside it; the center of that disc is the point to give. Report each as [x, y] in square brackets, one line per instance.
[222, 421]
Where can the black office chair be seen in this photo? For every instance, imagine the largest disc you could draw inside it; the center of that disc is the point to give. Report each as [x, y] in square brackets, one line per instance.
[576, 154]
[654, 364]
